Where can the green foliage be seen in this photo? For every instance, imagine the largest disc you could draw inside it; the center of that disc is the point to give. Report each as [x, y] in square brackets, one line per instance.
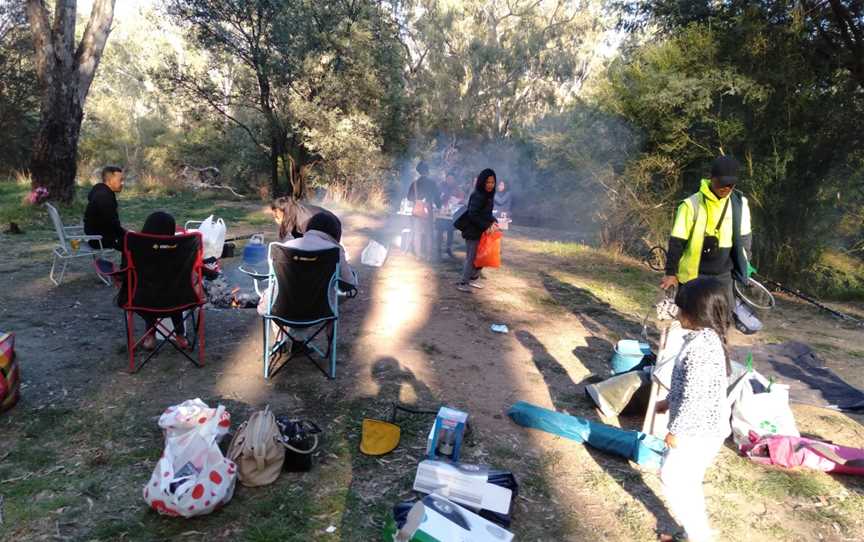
[749, 82]
[19, 104]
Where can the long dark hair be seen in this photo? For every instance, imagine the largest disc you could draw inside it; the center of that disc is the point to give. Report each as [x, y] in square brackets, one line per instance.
[159, 223]
[295, 215]
[480, 183]
[704, 302]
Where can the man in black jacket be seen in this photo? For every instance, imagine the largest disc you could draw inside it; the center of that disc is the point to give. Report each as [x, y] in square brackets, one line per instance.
[101, 217]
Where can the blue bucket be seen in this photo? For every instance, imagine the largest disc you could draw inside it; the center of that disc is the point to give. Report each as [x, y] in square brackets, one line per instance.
[628, 354]
[255, 251]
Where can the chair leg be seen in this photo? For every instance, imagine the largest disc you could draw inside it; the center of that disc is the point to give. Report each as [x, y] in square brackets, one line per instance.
[51, 273]
[333, 350]
[130, 339]
[266, 331]
[62, 271]
[200, 331]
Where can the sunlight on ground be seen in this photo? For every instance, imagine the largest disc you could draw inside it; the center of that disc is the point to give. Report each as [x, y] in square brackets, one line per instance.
[238, 380]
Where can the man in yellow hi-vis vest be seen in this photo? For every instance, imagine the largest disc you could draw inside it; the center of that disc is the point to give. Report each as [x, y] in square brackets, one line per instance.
[711, 235]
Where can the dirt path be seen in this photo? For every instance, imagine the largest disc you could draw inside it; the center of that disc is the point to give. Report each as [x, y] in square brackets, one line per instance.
[408, 337]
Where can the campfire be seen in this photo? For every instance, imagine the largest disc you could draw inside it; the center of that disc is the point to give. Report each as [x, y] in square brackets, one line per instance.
[222, 295]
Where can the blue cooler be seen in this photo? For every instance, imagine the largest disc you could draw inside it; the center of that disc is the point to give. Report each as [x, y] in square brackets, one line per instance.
[628, 354]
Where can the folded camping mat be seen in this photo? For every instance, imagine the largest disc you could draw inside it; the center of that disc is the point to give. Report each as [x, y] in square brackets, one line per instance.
[809, 380]
[645, 450]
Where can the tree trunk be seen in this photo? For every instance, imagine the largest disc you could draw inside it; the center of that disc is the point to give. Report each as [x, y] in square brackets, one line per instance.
[53, 163]
[65, 74]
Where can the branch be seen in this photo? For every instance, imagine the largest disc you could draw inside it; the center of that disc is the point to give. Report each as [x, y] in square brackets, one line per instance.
[92, 44]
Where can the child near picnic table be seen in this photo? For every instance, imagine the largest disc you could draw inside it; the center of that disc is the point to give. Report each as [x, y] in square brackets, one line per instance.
[698, 411]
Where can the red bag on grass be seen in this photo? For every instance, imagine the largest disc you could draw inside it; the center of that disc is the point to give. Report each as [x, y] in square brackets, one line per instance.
[489, 250]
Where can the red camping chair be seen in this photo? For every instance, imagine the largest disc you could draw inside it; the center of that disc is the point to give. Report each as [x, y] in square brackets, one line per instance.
[162, 275]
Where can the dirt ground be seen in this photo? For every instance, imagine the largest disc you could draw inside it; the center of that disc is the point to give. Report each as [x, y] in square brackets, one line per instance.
[75, 453]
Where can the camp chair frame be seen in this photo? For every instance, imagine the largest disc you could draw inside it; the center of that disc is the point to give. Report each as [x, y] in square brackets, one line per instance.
[190, 312]
[63, 251]
[284, 338]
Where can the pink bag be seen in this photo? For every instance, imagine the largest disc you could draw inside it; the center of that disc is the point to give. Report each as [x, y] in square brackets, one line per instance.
[793, 452]
[192, 477]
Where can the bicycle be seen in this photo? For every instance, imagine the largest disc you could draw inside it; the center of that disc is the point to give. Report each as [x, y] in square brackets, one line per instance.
[655, 257]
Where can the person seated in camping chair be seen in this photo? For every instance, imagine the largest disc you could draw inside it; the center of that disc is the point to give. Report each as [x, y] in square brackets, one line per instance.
[160, 223]
[323, 231]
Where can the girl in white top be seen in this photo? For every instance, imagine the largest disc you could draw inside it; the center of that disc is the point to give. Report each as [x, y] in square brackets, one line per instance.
[698, 410]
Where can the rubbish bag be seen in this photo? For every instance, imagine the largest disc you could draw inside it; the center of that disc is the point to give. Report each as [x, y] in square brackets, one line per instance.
[213, 236]
[192, 477]
[374, 254]
[760, 406]
[489, 250]
[645, 450]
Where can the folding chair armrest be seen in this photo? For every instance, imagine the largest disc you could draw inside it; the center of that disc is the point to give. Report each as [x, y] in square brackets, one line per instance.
[190, 223]
[86, 238]
[256, 277]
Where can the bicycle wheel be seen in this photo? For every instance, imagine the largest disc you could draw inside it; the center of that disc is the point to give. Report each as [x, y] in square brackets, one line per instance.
[656, 258]
[755, 294]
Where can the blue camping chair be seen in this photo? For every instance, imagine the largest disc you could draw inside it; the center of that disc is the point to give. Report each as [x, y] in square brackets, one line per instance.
[303, 294]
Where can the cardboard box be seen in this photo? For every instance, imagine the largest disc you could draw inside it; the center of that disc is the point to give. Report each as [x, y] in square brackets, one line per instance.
[436, 519]
[445, 439]
[465, 484]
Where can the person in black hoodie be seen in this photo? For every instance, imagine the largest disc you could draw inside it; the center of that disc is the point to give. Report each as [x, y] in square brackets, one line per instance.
[476, 220]
[101, 217]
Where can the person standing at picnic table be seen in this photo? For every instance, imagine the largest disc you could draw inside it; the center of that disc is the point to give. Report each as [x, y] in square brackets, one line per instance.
[698, 410]
[451, 197]
[711, 236]
[476, 220]
[425, 197]
[101, 216]
[503, 199]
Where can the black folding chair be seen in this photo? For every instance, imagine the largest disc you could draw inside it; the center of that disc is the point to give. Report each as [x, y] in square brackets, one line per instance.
[163, 275]
[305, 296]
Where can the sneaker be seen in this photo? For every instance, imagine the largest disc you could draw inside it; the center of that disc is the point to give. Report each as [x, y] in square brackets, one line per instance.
[475, 284]
[463, 287]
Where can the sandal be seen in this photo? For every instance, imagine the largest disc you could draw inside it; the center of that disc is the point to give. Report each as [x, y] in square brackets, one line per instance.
[149, 342]
[183, 343]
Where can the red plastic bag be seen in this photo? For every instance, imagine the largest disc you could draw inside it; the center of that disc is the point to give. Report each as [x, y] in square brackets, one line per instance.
[489, 250]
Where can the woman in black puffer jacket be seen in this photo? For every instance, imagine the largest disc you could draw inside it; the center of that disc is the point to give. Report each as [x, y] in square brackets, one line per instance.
[477, 220]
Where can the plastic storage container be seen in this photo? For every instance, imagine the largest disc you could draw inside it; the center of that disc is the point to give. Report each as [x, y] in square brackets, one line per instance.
[628, 354]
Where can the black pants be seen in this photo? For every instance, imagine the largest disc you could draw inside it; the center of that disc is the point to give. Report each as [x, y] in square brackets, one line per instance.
[445, 229]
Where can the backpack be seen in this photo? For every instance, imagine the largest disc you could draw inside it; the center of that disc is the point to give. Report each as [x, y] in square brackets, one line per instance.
[257, 449]
[10, 377]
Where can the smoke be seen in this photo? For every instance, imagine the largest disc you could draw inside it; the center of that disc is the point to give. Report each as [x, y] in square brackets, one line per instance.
[560, 170]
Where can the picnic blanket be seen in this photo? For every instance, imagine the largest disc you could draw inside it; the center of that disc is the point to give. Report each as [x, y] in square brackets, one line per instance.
[810, 381]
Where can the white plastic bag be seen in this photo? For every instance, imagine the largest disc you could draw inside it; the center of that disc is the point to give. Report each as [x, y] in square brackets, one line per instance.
[213, 236]
[765, 413]
[374, 254]
[192, 477]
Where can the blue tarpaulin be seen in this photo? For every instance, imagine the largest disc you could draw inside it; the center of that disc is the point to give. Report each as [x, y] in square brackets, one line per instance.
[645, 450]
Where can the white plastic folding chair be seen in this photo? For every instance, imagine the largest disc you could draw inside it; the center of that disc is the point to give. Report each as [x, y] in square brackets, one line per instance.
[72, 243]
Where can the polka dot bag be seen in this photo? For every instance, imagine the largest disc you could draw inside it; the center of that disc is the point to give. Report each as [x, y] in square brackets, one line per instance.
[192, 477]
